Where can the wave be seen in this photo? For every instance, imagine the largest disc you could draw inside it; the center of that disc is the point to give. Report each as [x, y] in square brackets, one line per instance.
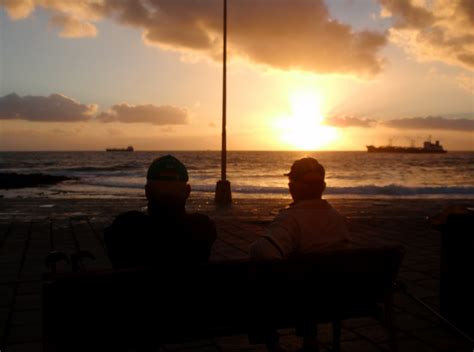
[118, 167]
[397, 190]
[364, 190]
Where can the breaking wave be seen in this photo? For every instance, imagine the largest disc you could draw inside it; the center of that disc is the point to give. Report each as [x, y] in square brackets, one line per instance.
[364, 190]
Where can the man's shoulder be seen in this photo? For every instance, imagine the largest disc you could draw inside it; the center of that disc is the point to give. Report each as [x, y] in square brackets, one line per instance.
[203, 226]
[199, 219]
[132, 216]
[126, 222]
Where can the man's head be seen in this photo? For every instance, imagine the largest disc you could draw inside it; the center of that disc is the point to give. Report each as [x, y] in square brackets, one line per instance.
[167, 183]
[306, 179]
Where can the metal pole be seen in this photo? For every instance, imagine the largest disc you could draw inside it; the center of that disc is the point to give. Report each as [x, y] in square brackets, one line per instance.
[224, 101]
[223, 194]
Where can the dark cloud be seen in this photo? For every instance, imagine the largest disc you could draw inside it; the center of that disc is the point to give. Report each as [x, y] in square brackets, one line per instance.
[54, 108]
[59, 108]
[349, 121]
[434, 123]
[434, 30]
[297, 34]
[408, 15]
[155, 115]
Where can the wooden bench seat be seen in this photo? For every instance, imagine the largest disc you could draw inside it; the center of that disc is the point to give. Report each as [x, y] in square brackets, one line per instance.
[149, 307]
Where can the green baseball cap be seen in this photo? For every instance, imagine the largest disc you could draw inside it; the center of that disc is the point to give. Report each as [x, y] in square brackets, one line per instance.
[167, 168]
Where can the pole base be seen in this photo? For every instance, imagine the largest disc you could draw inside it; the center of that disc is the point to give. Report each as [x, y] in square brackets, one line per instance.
[223, 193]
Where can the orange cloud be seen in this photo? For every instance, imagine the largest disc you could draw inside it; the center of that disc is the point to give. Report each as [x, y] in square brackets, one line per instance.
[432, 122]
[156, 115]
[297, 34]
[72, 17]
[72, 27]
[466, 82]
[441, 30]
[349, 121]
[18, 9]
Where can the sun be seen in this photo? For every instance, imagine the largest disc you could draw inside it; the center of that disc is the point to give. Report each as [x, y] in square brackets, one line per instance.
[304, 129]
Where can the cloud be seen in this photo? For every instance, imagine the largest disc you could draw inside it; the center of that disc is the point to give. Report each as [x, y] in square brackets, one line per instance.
[441, 30]
[466, 82]
[349, 121]
[155, 115]
[72, 17]
[72, 27]
[18, 9]
[59, 108]
[54, 108]
[431, 122]
[297, 34]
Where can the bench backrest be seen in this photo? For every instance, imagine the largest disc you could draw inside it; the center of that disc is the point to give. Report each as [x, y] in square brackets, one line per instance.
[152, 305]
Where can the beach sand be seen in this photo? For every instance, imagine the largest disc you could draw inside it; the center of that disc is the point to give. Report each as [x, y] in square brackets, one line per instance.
[30, 228]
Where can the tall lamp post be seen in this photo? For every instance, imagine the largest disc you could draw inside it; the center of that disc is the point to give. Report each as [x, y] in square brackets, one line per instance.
[223, 193]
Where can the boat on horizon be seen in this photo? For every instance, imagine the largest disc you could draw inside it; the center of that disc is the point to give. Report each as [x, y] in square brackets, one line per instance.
[428, 148]
[128, 149]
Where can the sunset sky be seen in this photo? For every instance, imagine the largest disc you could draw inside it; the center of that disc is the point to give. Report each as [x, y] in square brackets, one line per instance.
[302, 74]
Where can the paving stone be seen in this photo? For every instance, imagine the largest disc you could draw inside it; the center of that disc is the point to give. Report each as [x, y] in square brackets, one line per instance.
[375, 333]
[408, 322]
[28, 302]
[442, 339]
[359, 346]
[27, 288]
[6, 294]
[27, 317]
[348, 335]
[25, 333]
[25, 347]
[412, 345]
[194, 346]
[358, 322]
[412, 275]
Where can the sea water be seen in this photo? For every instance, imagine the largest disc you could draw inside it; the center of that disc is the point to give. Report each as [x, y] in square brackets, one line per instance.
[252, 174]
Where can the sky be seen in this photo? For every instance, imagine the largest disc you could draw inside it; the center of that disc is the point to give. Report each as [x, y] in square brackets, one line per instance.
[301, 74]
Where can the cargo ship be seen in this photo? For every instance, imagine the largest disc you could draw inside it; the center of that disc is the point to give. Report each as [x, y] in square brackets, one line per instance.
[128, 149]
[428, 147]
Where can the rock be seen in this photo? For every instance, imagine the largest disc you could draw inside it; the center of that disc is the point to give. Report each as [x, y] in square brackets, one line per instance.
[14, 180]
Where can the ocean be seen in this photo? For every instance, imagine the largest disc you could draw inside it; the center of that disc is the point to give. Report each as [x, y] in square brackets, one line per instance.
[252, 174]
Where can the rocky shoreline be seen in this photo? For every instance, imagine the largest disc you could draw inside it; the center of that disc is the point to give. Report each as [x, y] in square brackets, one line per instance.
[13, 180]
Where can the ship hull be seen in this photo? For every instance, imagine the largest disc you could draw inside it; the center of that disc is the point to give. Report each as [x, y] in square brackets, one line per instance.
[128, 149]
[402, 150]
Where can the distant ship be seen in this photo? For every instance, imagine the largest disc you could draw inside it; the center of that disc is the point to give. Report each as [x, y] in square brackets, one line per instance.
[128, 149]
[428, 147]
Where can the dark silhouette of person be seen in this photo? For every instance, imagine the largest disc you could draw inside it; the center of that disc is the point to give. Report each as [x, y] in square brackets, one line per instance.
[166, 234]
[309, 224]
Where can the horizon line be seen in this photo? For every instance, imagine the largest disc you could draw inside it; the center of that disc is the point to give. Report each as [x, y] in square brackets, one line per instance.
[198, 150]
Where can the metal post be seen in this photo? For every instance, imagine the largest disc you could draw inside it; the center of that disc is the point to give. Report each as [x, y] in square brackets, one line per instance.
[224, 100]
[223, 193]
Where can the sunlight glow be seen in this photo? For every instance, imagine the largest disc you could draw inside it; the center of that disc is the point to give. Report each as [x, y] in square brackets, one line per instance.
[304, 128]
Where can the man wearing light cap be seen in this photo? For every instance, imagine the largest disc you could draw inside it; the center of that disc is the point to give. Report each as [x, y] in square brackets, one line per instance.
[309, 224]
[167, 233]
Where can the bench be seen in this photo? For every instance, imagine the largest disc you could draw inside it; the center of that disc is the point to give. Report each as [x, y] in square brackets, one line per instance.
[150, 307]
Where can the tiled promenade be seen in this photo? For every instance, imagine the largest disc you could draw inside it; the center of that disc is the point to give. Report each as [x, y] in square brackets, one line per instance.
[29, 229]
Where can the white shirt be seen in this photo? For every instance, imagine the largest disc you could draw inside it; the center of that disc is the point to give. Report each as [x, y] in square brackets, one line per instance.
[304, 227]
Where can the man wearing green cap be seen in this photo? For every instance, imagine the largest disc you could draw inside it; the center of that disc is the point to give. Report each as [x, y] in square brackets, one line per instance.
[167, 233]
[309, 224]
